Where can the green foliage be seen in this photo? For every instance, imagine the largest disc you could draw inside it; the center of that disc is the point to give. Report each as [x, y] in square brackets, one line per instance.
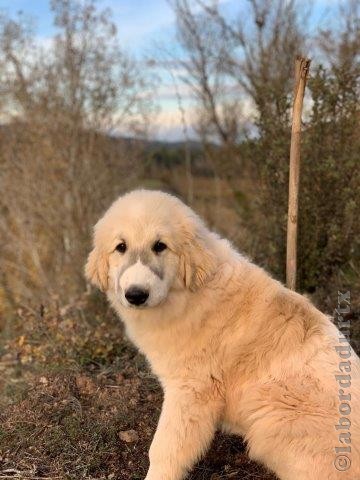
[329, 240]
[329, 202]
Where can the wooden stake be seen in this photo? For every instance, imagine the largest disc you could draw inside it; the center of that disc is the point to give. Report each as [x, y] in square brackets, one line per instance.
[302, 66]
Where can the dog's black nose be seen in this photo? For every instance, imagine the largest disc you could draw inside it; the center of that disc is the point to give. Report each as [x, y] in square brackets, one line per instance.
[136, 295]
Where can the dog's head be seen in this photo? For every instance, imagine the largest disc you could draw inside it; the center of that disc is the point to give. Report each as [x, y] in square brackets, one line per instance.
[147, 244]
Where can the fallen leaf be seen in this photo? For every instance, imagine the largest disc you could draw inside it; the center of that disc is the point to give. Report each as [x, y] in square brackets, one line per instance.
[129, 436]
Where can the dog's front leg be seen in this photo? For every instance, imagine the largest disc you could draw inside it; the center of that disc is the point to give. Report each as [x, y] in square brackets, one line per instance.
[186, 427]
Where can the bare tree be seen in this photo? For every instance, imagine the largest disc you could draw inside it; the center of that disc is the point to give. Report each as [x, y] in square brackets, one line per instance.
[230, 60]
[59, 165]
[262, 54]
[204, 71]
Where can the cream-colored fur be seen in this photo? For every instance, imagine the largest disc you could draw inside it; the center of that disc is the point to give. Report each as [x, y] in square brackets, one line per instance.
[231, 346]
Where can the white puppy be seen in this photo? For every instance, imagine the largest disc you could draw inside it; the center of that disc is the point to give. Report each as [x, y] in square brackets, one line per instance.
[232, 347]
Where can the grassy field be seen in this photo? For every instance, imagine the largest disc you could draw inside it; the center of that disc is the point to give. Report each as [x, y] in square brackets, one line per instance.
[78, 401]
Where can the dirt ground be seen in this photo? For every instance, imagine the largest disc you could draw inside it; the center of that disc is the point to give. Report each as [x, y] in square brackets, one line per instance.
[77, 401]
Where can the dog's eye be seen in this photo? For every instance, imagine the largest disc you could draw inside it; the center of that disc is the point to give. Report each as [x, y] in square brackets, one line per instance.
[121, 247]
[159, 247]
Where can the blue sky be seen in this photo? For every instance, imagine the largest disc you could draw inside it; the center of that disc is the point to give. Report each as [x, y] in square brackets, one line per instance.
[142, 24]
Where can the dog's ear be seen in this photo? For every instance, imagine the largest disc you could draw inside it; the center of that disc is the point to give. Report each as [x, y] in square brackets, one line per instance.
[197, 260]
[96, 268]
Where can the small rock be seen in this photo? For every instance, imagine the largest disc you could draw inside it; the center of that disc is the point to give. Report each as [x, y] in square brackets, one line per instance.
[129, 436]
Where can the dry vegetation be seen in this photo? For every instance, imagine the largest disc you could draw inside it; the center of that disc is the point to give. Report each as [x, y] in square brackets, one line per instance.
[60, 100]
[76, 400]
